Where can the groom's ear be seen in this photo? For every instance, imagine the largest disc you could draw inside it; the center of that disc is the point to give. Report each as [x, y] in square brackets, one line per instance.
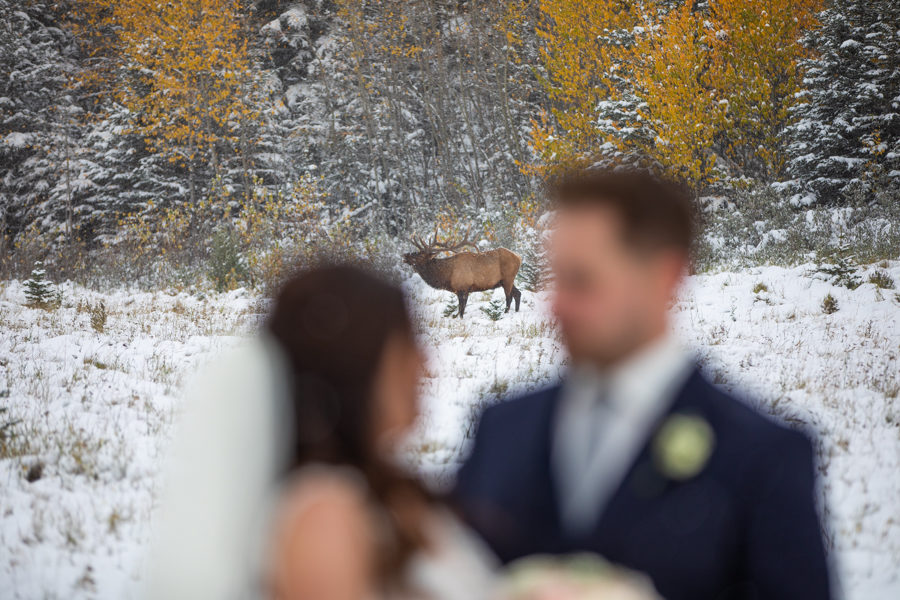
[673, 265]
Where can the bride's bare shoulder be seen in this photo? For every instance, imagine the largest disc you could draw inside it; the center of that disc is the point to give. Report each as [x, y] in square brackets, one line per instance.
[322, 535]
[314, 485]
[324, 499]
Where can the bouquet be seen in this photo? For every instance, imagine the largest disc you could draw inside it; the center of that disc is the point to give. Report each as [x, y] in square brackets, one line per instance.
[573, 577]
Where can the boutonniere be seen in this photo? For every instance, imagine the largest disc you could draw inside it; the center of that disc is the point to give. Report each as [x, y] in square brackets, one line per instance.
[682, 446]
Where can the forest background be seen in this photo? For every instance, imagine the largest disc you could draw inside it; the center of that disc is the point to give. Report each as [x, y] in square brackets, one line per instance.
[219, 142]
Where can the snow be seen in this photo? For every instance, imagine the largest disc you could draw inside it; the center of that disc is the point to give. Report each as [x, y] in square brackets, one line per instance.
[272, 27]
[296, 17]
[18, 139]
[97, 408]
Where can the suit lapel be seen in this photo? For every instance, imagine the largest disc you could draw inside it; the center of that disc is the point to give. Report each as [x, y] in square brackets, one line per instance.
[643, 485]
[547, 509]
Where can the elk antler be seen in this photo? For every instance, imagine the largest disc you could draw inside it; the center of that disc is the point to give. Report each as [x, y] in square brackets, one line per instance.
[419, 243]
[450, 245]
[416, 241]
[446, 245]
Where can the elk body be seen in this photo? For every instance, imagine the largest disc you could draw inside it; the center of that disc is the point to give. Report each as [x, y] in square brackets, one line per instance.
[466, 272]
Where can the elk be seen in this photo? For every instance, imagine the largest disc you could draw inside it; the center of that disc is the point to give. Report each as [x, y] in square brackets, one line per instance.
[465, 272]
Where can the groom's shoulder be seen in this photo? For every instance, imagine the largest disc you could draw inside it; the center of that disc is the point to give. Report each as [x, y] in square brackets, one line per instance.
[521, 409]
[747, 425]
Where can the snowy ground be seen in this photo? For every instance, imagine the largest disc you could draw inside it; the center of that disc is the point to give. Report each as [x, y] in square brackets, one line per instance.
[95, 409]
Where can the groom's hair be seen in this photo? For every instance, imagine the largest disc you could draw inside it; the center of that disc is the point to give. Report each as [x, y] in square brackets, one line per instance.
[655, 212]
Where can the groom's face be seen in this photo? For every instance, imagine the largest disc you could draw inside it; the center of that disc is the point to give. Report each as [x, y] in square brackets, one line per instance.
[610, 296]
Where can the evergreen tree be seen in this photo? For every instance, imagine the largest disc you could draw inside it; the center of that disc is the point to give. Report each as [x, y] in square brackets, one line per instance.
[850, 126]
[39, 291]
[494, 310]
[37, 139]
[533, 271]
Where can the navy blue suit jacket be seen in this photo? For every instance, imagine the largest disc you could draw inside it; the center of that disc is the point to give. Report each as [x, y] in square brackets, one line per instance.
[744, 527]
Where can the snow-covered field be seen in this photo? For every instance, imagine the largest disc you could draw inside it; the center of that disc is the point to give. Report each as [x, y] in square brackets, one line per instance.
[94, 410]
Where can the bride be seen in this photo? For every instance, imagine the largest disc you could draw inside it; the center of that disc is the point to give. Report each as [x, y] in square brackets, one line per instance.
[286, 481]
[351, 522]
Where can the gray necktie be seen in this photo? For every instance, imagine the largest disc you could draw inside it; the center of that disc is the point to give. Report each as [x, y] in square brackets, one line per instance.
[583, 432]
[599, 413]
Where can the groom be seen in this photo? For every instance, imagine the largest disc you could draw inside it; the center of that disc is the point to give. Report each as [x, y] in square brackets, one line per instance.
[636, 456]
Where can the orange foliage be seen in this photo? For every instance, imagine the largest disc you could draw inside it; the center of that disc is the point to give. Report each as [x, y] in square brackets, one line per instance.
[187, 72]
[716, 84]
[755, 50]
[672, 77]
[580, 68]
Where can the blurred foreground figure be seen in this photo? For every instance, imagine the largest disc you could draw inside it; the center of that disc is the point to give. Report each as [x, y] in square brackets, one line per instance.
[636, 456]
[287, 482]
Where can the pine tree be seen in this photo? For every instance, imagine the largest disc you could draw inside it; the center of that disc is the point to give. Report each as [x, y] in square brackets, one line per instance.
[841, 267]
[494, 309]
[40, 291]
[39, 159]
[533, 271]
[451, 309]
[850, 125]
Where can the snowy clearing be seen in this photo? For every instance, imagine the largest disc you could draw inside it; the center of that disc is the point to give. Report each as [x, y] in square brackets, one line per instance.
[94, 409]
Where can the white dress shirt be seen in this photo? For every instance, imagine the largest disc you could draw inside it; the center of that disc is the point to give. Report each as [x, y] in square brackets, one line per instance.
[603, 421]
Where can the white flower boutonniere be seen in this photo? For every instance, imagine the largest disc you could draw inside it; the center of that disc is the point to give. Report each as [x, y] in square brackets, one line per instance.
[683, 445]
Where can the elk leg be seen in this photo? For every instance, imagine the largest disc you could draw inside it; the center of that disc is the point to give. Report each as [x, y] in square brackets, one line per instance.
[508, 292]
[462, 297]
[518, 296]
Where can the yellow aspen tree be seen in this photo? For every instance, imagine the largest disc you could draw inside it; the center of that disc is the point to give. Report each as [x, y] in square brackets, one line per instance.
[512, 21]
[188, 76]
[755, 56]
[680, 103]
[581, 68]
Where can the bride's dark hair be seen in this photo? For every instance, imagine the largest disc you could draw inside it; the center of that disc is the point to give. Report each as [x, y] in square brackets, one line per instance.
[332, 323]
